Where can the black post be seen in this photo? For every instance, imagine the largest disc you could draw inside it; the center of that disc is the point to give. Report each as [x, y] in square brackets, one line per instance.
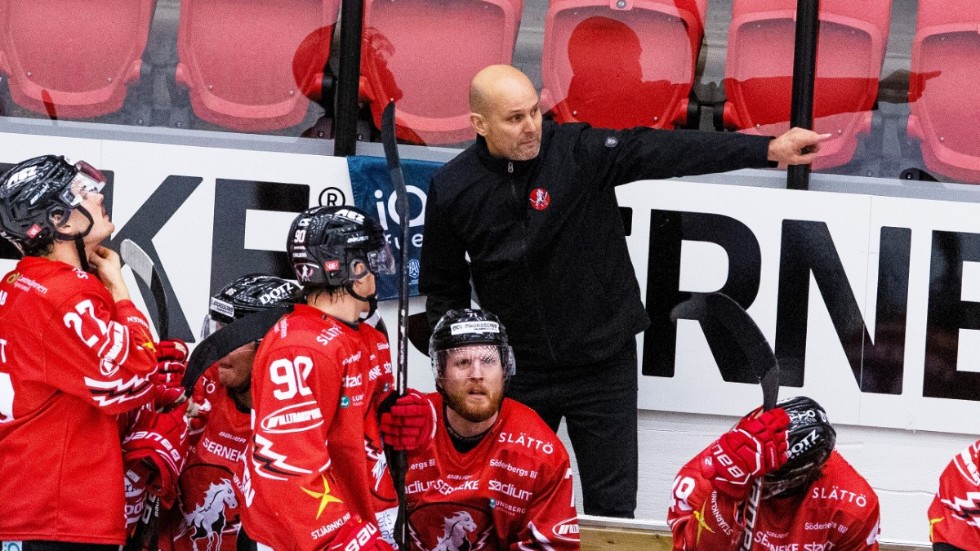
[345, 123]
[804, 73]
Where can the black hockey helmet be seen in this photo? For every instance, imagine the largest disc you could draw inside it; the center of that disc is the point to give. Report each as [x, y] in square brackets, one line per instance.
[38, 195]
[326, 242]
[811, 439]
[247, 294]
[467, 327]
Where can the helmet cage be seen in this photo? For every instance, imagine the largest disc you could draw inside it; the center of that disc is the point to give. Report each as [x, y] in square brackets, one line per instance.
[475, 360]
[465, 327]
[88, 179]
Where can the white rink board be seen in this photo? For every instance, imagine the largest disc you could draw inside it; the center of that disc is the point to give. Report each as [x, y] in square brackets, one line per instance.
[900, 442]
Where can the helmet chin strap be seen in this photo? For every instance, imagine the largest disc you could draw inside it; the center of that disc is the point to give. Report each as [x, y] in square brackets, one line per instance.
[371, 299]
[79, 238]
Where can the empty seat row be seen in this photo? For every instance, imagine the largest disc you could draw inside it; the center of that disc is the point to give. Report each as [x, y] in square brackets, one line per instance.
[254, 66]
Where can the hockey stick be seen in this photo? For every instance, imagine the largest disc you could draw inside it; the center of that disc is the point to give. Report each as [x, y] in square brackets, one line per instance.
[226, 340]
[718, 312]
[144, 268]
[401, 375]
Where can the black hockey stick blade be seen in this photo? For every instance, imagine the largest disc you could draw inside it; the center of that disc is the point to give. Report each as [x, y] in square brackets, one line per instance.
[144, 268]
[400, 463]
[719, 312]
[419, 332]
[226, 340]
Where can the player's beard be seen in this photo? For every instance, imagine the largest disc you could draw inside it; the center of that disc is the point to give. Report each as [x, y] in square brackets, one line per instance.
[456, 401]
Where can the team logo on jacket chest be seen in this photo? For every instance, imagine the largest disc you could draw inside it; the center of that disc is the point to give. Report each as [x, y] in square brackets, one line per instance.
[540, 198]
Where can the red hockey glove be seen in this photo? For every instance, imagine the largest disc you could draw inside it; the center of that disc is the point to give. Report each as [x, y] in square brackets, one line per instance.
[167, 376]
[754, 448]
[160, 440]
[356, 535]
[171, 351]
[198, 409]
[166, 397]
[137, 475]
[411, 422]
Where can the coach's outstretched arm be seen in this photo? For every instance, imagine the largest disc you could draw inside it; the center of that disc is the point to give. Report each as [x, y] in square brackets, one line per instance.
[796, 146]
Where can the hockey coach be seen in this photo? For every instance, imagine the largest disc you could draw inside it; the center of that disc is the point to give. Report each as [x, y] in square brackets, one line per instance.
[533, 205]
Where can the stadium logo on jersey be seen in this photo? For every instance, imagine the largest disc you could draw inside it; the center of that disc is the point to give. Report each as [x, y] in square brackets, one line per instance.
[540, 198]
[567, 529]
[293, 418]
[450, 527]
[211, 514]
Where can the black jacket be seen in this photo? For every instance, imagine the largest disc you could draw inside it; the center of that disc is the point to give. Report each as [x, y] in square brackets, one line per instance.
[559, 278]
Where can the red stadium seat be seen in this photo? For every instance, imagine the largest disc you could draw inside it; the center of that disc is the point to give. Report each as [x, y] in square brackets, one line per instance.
[759, 70]
[945, 101]
[67, 60]
[251, 66]
[424, 53]
[621, 63]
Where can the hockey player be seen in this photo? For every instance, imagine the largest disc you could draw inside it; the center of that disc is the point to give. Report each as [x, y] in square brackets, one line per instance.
[485, 472]
[317, 477]
[74, 353]
[954, 519]
[207, 514]
[812, 498]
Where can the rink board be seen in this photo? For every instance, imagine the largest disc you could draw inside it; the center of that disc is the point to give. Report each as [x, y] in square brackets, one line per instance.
[815, 264]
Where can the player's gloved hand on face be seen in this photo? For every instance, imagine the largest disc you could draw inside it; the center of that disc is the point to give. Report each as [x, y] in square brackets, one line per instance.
[755, 447]
[160, 441]
[410, 423]
[360, 535]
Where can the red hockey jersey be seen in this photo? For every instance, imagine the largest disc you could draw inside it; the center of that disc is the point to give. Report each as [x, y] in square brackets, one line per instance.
[839, 511]
[70, 360]
[315, 461]
[512, 491]
[207, 512]
[954, 515]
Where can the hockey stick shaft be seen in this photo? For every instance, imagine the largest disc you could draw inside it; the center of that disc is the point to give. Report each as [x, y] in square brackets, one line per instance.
[146, 270]
[401, 375]
[724, 313]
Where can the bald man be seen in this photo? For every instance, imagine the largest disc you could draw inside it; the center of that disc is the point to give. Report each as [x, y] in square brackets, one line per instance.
[533, 205]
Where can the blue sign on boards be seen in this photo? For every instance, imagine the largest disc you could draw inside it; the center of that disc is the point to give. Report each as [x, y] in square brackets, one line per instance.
[374, 193]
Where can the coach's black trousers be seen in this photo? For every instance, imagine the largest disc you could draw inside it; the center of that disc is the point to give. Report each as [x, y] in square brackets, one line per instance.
[598, 402]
